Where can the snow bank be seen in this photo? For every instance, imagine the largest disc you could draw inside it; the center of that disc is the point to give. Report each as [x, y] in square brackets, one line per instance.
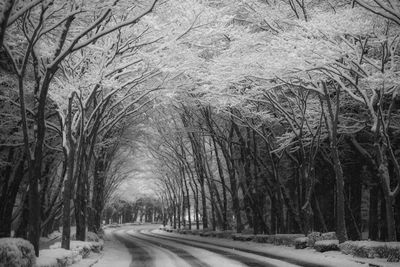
[82, 247]
[301, 242]
[16, 252]
[57, 257]
[318, 236]
[278, 239]
[326, 245]
[372, 249]
[242, 237]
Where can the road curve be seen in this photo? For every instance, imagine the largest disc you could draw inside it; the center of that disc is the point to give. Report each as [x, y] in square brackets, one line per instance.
[149, 249]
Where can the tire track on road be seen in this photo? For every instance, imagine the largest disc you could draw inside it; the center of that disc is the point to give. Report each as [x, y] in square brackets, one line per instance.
[228, 252]
[183, 254]
[137, 252]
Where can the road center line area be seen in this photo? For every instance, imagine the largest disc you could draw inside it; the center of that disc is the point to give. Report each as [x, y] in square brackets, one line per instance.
[149, 249]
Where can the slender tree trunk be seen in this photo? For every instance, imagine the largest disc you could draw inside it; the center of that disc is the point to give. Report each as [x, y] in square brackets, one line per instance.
[388, 197]
[69, 151]
[98, 194]
[332, 120]
[9, 196]
[23, 224]
[4, 15]
[373, 230]
[80, 207]
[320, 214]
[174, 207]
[222, 177]
[197, 209]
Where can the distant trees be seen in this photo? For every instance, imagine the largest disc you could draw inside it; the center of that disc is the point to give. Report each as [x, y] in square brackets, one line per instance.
[143, 210]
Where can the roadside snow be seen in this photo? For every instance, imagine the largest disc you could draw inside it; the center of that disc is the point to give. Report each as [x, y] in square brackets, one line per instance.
[114, 252]
[332, 259]
[82, 247]
[57, 257]
[79, 255]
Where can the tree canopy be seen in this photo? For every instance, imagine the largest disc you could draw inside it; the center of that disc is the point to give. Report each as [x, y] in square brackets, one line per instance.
[280, 116]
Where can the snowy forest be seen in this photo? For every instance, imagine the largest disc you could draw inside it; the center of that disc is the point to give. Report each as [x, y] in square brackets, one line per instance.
[278, 116]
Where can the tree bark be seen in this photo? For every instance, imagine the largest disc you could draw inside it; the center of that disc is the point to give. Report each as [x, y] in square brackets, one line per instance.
[332, 120]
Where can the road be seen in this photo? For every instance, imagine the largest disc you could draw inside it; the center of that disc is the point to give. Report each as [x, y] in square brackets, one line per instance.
[149, 248]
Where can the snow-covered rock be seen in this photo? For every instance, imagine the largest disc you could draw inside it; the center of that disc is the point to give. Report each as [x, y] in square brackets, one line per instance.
[57, 257]
[16, 252]
[326, 245]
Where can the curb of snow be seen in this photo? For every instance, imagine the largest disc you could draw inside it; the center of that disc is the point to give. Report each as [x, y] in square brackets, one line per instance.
[59, 257]
[338, 255]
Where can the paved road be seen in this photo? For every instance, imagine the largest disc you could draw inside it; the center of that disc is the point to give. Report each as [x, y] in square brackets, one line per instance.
[151, 249]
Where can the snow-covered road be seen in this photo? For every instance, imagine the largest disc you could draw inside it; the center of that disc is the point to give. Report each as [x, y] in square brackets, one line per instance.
[146, 246]
[149, 247]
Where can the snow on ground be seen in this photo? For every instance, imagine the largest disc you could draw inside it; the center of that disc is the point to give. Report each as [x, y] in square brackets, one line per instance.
[46, 242]
[89, 261]
[80, 254]
[114, 253]
[331, 258]
[57, 257]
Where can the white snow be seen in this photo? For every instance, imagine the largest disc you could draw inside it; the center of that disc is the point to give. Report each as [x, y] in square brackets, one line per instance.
[79, 254]
[333, 259]
[327, 242]
[57, 257]
[114, 252]
[55, 234]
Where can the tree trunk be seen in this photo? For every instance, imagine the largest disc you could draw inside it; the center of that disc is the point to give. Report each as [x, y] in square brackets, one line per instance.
[97, 197]
[4, 15]
[23, 224]
[69, 152]
[373, 230]
[81, 204]
[9, 197]
[340, 202]
[196, 203]
[222, 177]
[389, 200]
